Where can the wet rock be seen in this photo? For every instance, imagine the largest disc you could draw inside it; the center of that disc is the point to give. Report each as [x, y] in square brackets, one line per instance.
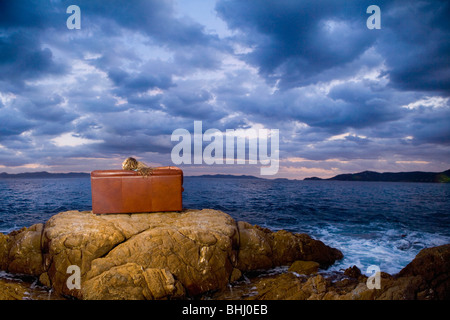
[11, 291]
[262, 249]
[432, 265]
[425, 278]
[304, 267]
[353, 272]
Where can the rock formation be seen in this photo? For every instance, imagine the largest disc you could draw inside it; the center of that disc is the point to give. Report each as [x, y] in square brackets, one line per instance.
[196, 253]
[151, 256]
[11, 291]
[427, 277]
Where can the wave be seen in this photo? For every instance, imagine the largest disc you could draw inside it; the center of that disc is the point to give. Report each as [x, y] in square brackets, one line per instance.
[390, 249]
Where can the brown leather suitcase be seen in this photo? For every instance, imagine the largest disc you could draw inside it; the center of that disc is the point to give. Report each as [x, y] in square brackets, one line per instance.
[126, 191]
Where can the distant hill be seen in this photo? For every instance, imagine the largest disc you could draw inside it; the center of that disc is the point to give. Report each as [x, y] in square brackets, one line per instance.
[415, 176]
[231, 176]
[225, 176]
[43, 175]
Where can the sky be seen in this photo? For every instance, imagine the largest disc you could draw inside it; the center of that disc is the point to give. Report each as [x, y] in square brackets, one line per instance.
[345, 98]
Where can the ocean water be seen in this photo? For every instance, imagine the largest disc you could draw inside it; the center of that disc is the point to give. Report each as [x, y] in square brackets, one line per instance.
[372, 223]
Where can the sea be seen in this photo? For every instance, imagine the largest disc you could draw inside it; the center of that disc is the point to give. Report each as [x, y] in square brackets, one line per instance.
[373, 223]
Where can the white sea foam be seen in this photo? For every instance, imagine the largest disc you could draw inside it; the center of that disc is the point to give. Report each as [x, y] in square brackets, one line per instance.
[390, 249]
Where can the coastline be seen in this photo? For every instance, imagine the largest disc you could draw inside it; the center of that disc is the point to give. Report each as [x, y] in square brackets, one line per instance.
[201, 254]
[371, 176]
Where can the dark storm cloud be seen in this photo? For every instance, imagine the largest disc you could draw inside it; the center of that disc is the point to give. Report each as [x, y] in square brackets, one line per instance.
[416, 45]
[354, 104]
[298, 41]
[45, 109]
[154, 18]
[428, 125]
[140, 82]
[137, 70]
[13, 123]
[299, 45]
[189, 101]
[364, 106]
[79, 98]
[22, 56]
[30, 14]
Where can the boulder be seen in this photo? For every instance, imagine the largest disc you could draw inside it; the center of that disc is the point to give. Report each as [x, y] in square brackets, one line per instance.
[5, 244]
[163, 255]
[432, 265]
[255, 250]
[261, 248]
[353, 272]
[131, 282]
[289, 286]
[22, 251]
[11, 290]
[286, 286]
[197, 247]
[75, 238]
[304, 267]
[425, 278]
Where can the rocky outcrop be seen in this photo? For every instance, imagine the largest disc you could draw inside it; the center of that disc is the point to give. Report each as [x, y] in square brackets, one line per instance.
[198, 248]
[151, 256]
[304, 267]
[20, 251]
[432, 266]
[427, 277]
[261, 248]
[11, 291]
[131, 281]
[175, 255]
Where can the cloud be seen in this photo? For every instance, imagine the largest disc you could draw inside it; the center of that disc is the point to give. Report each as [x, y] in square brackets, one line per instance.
[429, 125]
[294, 41]
[30, 14]
[341, 95]
[22, 51]
[72, 140]
[13, 123]
[299, 42]
[416, 45]
[335, 107]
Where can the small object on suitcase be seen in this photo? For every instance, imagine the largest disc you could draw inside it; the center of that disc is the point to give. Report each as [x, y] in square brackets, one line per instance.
[126, 191]
[132, 164]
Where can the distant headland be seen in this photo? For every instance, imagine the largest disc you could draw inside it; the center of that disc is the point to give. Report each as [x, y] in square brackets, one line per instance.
[43, 175]
[225, 176]
[415, 176]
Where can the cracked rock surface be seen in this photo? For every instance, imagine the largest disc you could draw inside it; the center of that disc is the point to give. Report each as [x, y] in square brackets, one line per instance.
[151, 255]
